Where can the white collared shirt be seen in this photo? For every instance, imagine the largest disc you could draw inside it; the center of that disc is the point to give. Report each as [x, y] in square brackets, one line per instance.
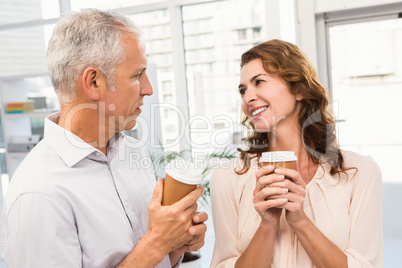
[69, 205]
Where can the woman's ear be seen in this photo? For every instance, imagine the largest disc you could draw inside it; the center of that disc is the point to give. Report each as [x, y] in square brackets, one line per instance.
[299, 97]
[93, 82]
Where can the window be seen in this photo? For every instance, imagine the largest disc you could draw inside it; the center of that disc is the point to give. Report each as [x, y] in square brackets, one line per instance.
[17, 11]
[215, 36]
[366, 74]
[242, 34]
[156, 32]
[102, 4]
[23, 51]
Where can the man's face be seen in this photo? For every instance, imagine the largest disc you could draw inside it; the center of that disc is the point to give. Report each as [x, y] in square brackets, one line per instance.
[122, 106]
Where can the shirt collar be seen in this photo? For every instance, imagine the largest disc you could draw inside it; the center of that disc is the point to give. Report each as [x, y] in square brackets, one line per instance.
[71, 148]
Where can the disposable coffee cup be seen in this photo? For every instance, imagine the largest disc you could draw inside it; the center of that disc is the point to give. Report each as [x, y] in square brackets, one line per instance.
[278, 159]
[181, 178]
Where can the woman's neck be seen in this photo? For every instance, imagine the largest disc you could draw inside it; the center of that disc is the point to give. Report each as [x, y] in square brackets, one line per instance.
[287, 137]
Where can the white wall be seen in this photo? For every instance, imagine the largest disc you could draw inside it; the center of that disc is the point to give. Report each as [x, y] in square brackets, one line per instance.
[335, 5]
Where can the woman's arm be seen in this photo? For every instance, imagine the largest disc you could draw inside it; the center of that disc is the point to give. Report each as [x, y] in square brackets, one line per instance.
[224, 205]
[225, 196]
[322, 252]
[366, 246]
[260, 251]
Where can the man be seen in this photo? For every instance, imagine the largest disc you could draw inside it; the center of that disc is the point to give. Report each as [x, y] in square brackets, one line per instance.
[76, 200]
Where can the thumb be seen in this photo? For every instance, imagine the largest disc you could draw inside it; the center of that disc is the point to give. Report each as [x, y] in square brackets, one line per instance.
[158, 191]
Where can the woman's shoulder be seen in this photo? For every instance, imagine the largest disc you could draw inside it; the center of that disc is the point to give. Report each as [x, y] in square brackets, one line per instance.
[226, 172]
[352, 159]
[361, 166]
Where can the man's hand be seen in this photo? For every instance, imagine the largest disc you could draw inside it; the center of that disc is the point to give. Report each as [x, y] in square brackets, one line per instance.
[198, 231]
[171, 227]
[171, 230]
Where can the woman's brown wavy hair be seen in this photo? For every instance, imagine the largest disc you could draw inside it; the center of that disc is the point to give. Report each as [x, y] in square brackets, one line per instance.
[316, 124]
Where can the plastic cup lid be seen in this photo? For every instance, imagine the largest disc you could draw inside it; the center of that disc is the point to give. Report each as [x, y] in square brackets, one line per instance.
[278, 156]
[184, 171]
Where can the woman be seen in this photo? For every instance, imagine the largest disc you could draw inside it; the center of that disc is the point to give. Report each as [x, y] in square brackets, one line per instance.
[329, 213]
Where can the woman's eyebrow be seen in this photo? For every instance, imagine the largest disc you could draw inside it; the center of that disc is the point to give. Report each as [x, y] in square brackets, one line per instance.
[255, 77]
[252, 79]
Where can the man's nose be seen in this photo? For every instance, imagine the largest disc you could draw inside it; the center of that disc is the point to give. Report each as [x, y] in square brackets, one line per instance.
[146, 87]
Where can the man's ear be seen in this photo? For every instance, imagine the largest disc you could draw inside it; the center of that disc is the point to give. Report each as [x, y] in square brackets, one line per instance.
[93, 82]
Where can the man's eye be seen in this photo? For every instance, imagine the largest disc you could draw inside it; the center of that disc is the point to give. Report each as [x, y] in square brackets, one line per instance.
[138, 75]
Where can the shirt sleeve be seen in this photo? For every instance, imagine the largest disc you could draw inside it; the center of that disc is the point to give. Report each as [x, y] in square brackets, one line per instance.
[225, 218]
[39, 231]
[365, 247]
[178, 263]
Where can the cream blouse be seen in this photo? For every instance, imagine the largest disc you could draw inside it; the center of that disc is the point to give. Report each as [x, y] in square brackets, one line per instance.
[349, 213]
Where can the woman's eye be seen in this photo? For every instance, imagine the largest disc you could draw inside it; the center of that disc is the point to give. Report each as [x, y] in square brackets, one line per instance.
[242, 92]
[257, 82]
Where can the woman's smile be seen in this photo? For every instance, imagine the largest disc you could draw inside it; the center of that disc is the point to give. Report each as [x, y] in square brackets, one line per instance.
[258, 111]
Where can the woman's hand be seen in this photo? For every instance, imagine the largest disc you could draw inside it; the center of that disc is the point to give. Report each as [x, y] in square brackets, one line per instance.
[295, 195]
[269, 199]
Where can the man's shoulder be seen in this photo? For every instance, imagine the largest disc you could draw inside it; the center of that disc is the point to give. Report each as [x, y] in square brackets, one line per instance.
[36, 159]
[31, 173]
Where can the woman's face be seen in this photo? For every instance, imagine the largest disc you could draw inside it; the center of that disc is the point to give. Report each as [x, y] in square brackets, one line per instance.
[266, 98]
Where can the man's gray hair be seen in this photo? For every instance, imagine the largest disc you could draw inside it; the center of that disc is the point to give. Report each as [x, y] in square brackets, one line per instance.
[90, 38]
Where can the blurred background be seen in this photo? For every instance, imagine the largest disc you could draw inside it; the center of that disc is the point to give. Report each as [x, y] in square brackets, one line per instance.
[194, 50]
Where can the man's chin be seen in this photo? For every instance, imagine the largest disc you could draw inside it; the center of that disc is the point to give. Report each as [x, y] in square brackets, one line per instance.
[129, 126]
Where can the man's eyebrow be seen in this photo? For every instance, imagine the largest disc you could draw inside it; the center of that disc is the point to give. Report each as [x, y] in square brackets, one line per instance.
[252, 79]
[140, 71]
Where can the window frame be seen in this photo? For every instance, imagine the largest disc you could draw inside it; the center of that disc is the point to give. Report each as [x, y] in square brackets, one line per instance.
[324, 21]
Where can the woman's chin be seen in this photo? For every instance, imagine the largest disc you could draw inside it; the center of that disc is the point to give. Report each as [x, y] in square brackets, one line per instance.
[261, 130]
[262, 126]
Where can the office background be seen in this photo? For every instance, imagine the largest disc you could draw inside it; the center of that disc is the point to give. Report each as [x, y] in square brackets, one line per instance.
[195, 47]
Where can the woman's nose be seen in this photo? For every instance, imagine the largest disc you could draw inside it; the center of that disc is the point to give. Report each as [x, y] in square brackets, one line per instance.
[250, 96]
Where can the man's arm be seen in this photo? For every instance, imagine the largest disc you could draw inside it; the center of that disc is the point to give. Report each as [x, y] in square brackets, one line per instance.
[38, 231]
[170, 230]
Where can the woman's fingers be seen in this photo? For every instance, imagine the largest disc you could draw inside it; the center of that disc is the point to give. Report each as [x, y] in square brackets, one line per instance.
[292, 174]
[266, 180]
[265, 170]
[268, 192]
[267, 204]
[291, 186]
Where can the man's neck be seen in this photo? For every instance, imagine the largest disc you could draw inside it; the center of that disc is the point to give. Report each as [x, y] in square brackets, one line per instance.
[87, 124]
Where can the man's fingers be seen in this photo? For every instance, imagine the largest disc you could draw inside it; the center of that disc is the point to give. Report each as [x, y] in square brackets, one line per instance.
[191, 198]
[200, 217]
[158, 192]
[198, 229]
